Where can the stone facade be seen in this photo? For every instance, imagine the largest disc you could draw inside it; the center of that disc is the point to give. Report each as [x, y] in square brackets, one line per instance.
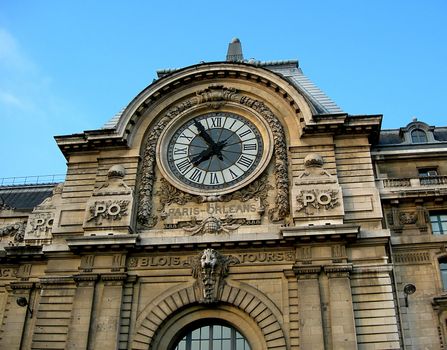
[313, 252]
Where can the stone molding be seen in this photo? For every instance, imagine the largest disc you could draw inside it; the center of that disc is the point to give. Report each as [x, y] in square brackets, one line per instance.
[56, 280]
[81, 278]
[412, 258]
[21, 285]
[114, 277]
[372, 269]
[338, 271]
[307, 272]
[249, 300]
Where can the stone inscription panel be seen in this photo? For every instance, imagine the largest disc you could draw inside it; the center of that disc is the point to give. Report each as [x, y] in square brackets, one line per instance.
[180, 261]
[249, 210]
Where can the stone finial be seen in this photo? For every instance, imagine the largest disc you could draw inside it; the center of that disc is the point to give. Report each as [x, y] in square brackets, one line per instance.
[116, 171]
[234, 52]
[313, 160]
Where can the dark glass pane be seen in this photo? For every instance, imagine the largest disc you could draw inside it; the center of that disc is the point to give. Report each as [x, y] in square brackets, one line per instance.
[220, 337]
[418, 136]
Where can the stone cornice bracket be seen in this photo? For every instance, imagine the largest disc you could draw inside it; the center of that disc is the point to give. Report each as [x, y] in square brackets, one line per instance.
[86, 279]
[21, 285]
[114, 279]
[338, 271]
[307, 272]
[439, 303]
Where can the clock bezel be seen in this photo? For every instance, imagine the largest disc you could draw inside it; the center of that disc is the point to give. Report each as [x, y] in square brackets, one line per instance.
[171, 128]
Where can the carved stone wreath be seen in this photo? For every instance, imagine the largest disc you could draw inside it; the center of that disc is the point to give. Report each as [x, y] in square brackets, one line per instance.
[214, 94]
[15, 231]
[331, 195]
[120, 209]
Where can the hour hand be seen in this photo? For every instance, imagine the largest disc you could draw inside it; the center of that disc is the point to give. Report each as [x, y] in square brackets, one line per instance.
[203, 133]
[202, 156]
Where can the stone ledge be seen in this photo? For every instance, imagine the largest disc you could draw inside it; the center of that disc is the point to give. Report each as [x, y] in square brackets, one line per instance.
[322, 232]
[77, 243]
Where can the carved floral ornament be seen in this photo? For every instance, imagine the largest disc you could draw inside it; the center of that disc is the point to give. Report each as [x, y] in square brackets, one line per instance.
[212, 95]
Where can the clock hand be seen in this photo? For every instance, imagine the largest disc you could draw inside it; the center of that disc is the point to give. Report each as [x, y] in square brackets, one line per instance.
[214, 150]
[202, 156]
[203, 133]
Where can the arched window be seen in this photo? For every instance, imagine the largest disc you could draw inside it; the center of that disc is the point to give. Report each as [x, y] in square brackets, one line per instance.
[418, 136]
[213, 337]
[443, 269]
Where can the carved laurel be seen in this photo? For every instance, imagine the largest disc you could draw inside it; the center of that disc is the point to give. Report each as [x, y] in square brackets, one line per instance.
[15, 231]
[257, 189]
[169, 194]
[214, 94]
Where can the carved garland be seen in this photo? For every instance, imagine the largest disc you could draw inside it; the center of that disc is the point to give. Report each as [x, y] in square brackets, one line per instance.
[213, 94]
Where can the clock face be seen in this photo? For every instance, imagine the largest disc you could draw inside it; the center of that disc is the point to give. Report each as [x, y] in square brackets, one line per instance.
[213, 153]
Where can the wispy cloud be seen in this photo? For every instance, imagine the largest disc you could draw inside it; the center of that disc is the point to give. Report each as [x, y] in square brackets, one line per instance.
[11, 56]
[23, 86]
[30, 111]
[9, 99]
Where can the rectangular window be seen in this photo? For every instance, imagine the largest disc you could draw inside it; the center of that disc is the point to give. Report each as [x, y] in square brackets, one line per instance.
[438, 223]
[425, 172]
[443, 268]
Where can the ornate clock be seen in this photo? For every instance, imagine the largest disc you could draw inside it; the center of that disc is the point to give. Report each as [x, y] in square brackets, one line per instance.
[214, 153]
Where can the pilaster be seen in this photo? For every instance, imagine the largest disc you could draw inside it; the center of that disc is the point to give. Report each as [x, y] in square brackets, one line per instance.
[341, 307]
[312, 336]
[107, 312]
[78, 333]
[15, 318]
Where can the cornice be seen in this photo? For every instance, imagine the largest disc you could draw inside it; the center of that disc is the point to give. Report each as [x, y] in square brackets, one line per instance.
[342, 124]
[322, 232]
[212, 72]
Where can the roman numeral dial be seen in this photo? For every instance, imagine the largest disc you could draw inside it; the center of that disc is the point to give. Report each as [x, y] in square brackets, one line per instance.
[214, 152]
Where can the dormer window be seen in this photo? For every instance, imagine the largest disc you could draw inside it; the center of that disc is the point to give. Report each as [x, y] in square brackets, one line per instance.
[418, 136]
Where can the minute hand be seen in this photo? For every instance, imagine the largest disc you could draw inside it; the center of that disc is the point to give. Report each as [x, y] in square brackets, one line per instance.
[203, 133]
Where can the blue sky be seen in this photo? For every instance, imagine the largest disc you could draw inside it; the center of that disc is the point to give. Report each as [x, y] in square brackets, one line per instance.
[68, 66]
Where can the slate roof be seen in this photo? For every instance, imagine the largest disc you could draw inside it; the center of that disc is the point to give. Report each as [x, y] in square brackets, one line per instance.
[24, 197]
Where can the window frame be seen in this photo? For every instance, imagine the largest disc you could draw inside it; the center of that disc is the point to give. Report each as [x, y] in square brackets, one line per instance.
[440, 230]
[187, 335]
[418, 136]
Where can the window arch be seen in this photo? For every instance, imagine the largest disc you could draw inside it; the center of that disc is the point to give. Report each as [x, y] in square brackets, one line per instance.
[418, 136]
[212, 336]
